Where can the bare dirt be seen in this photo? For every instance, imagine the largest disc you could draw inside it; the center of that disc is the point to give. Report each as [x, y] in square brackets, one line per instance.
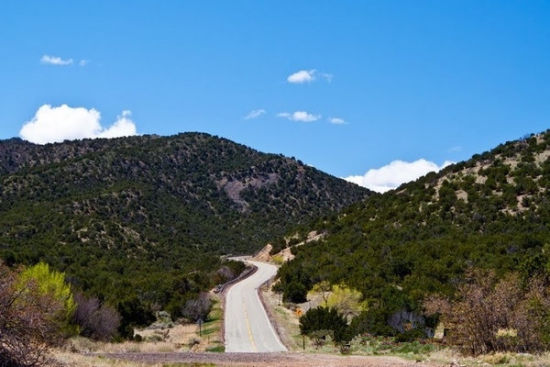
[265, 359]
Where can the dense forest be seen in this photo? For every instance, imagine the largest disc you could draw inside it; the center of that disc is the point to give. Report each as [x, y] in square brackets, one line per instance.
[488, 214]
[141, 222]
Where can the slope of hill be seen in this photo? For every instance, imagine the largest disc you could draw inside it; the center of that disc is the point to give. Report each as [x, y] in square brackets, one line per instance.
[492, 211]
[144, 218]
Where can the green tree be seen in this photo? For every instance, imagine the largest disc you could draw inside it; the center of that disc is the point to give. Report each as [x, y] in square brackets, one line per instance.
[50, 283]
[323, 319]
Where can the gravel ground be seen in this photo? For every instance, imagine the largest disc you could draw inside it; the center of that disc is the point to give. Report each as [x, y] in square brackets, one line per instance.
[265, 359]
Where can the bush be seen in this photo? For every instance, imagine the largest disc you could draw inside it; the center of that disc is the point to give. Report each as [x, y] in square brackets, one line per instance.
[295, 292]
[28, 325]
[373, 321]
[197, 309]
[51, 283]
[322, 319]
[495, 316]
[96, 321]
[133, 313]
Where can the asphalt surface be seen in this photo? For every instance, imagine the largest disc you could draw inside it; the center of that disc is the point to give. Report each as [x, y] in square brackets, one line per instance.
[247, 327]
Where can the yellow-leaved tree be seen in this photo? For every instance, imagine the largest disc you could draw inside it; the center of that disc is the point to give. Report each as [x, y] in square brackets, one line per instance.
[52, 284]
[347, 301]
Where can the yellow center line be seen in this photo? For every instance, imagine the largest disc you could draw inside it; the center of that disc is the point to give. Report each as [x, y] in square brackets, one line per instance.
[250, 336]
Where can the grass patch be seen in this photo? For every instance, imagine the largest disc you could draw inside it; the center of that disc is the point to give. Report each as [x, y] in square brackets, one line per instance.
[217, 349]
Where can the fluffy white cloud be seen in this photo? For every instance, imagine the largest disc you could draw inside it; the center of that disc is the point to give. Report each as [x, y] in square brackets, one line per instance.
[301, 116]
[302, 76]
[394, 174]
[336, 120]
[56, 124]
[55, 60]
[255, 114]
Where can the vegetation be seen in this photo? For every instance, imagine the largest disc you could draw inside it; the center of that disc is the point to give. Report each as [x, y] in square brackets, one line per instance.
[139, 223]
[491, 315]
[51, 284]
[345, 300]
[491, 212]
[34, 306]
[95, 320]
[320, 322]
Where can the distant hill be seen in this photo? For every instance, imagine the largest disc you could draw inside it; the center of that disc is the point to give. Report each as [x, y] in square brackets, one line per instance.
[492, 211]
[139, 214]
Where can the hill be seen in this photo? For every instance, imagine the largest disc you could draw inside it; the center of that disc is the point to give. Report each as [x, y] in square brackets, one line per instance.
[490, 212]
[144, 219]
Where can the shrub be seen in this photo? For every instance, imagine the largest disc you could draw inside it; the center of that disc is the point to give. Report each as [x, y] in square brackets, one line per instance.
[493, 316]
[373, 321]
[322, 319]
[96, 321]
[28, 326]
[346, 300]
[198, 308]
[295, 292]
[52, 284]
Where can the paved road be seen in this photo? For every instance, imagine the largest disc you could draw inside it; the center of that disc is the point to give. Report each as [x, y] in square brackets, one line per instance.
[247, 327]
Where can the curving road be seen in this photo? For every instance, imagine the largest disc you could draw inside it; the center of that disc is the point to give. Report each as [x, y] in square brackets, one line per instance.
[247, 327]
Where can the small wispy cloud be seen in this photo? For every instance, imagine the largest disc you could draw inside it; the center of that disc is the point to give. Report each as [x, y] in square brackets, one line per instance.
[337, 121]
[328, 77]
[302, 76]
[255, 114]
[83, 62]
[308, 76]
[55, 60]
[301, 116]
[456, 148]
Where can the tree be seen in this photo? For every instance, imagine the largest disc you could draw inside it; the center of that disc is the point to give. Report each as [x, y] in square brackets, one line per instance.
[346, 300]
[322, 288]
[295, 292]
[197, 309]
[321, 319]
[96, 321]
[52, 284]
[27, 322]
[491, 315]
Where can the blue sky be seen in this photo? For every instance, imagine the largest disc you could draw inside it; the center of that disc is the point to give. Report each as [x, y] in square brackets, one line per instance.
[439, 80]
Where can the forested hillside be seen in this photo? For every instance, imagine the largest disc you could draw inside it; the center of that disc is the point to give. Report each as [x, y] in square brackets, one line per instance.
[141, 221]
[491, 212]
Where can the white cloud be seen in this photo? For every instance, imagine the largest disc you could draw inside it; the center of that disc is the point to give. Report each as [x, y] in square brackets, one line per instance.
[302, 76]
[301, 116]
[83, 62]
[56, 124]
[55, 60]
[308, 76]
[255, 114]
[336, 120]
[123, 126]
[396, 173]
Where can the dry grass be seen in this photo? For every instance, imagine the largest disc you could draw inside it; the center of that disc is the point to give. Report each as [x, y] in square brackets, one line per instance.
[177, 338]
[289, 326]
[447, 356]
[75, 359]
[84, 345]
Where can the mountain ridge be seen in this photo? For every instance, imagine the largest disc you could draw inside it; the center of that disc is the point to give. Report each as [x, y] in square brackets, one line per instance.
[145, 218]
[491, 211]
